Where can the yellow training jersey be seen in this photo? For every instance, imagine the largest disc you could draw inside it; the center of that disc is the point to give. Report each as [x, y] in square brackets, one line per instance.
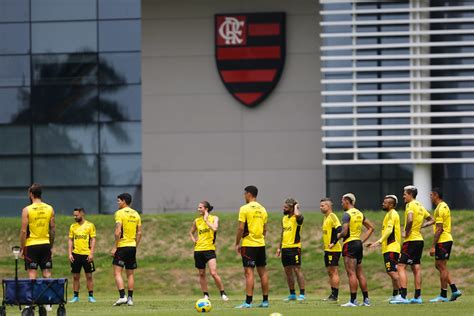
[130, 220]
[330, 226]
[206, 236]
[354, 218]
[391, 226]
[255, 217]
[81, 236]
[419, 216]
[442, 215]
[291, 236]
[39, 217]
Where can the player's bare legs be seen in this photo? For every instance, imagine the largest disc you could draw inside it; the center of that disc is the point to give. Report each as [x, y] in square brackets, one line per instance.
[416, 268]
[249, 280]
[395, 280]
[361, 278]
[90, 282]
[46, 273]
[213, 271]
[118, 277]
[299, 277]
[76, 278]
[402, 274]
[131, 279]
[333, 274]
[350, 265]
[441, 266]
[263, 274]
[203, 280]
[32, 274]
[289, 277]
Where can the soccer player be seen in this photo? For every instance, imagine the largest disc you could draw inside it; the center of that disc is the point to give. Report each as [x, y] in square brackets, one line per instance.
[128, 232]
[37, 234]
[206, 226]
[251, 231]
[81, 246]
[290, 247]
[331, 227]
[416, 217]
[390, 241]
[352, 222]
[441, 248]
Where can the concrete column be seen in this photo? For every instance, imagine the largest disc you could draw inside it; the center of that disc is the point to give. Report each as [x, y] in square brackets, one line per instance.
[422, 180]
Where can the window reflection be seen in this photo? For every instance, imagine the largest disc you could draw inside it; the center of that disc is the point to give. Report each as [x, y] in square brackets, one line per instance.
[108, 198]
[14, 71]
[119, 35]
[50, 10]
[125, 102]
[65, 200]
[14, 10]
[15, 139]
[120, 137]
[66, 170]
[14, 171]
[70, 69]
[14, 38]
[126, 65]
[13, 200]
[117, 9]
[65, 139]
[14, 102]
[120, 169]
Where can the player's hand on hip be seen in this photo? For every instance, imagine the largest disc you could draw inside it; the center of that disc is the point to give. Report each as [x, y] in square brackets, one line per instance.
[331, 245]
[432, 251]
[71, 258]
[238, 249]
[278, 252]
[90, 258]
[22, 254]
[112, 251]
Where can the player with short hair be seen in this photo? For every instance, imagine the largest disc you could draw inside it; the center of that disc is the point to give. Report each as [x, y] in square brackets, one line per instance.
[206, 226]
[390, 241]
[331, 227]
[81, 247]
[251, 231]
[290, 247]
[442, 244]
[352, 222]
[416, 217]
[128, 232]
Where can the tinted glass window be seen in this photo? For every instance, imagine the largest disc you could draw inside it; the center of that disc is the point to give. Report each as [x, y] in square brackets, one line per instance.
[14, 10]
[117, 9]
[14, 105]
[70, 69]
[64, 200]
[120, 103]
[15, 38]
[15, 171]
[109, 198]
[49, 10]
[124, 137]
[120, 169]
[66, 170]
[65, 139]
[119, 35]
[64, 37]
[119, 68]
[15, 139]
[13, 201]
[14, 71]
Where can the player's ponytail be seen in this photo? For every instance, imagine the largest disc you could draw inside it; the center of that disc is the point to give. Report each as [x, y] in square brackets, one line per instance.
[208, 206]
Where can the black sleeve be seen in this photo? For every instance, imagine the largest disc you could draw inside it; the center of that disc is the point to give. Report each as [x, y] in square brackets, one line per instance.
[300, 220]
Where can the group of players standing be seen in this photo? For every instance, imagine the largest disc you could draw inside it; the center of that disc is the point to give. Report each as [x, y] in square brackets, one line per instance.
[250, 245]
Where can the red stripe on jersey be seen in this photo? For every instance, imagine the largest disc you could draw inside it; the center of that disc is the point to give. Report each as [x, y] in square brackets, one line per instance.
[266, 75]
[267, 29]
[255, 52]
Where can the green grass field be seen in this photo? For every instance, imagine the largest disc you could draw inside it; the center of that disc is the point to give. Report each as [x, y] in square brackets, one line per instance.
[167, 284]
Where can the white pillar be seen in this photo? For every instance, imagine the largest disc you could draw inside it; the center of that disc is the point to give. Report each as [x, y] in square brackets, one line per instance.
[422, 180]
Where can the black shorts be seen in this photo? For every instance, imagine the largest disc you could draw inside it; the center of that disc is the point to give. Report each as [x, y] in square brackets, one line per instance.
[202, 257]
[254, 256]
[443, 250]
[353, 249]
[125, 257]
[80, 261]
[411, 252]
[331, 258]
[291, 256]
[38, 256]
[391, 260]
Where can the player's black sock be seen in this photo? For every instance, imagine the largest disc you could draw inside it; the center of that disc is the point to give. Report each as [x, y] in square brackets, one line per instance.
[417, 293]
[122, 293]
[206, 294]
[130, 293]
[223, 292]
[365, 294]
[395, 293]
[292, 292]
[403, 292]
[91, 293]
[444, 293]
[76, 294]
[301, 291]
[249, 299]
[265, 298]
[335, 292]
[453, 287]
[353, 297]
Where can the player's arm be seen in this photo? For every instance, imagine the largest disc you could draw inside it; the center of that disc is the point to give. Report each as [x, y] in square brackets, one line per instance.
[214, 225]
[278, 252]
[70, 244]
[91, 255]
[346, 218]
[370, 229]
[139, 234]
[192, 231]
[428, 219]
[52, 229]
[117, 235]
[238, 237]
[409, 224]
[437, 234]
[24, 228]
[385, 234]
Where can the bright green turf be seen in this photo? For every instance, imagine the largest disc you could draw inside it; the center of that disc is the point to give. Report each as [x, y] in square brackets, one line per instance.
[166, 281]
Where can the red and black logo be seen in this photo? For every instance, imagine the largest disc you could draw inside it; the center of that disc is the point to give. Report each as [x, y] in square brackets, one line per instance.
[250, 53]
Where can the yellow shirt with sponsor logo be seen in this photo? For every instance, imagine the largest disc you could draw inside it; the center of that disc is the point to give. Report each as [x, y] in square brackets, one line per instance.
[442, 215]
[354, 218]
[291, 236]
[330, 226]
[206, 236]
[254, 216]
[39, 217]
[419, 216]
[391, 226]
[81, 236]
[130, 220]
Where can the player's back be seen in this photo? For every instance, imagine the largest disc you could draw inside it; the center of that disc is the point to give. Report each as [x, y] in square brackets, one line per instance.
[419, 215]
[39, 217]
[255, 217]
[393, 242]
[355, 219]
[130, 220]
[442, 215]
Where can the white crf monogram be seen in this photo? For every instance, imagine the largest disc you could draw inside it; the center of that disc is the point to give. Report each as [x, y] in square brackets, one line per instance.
[230, 30]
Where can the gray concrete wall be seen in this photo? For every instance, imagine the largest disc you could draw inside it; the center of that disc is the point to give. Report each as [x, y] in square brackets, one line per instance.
[198, 141]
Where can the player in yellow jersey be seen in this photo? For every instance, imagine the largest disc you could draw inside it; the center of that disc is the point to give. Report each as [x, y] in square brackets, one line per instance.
[251, 231]
[81, 247]
[416, 217]
[331, 227]
[128, 232]
[290, 247]
[206, 226]
[352, 222]
[391, 242]
[442, 244]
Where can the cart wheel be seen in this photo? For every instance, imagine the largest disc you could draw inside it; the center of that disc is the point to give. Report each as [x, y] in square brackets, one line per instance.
[28, 312]
[42, 311]
[61, 310]
[3, 311]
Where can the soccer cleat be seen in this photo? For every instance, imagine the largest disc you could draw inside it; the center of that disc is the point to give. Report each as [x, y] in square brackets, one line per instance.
[439, 299]
[366, 302]
[392, 298]
[120, 301]
[399, 300]
[455, 295]
[418, 300]
[244, 305]
[331, 298]
[291, 297]
[301, 298]
[350, 304]
[75, 299]
[48, 308]
[263, 304]
[224, 297]
[92, 299]
[206, 297]
[130, 301]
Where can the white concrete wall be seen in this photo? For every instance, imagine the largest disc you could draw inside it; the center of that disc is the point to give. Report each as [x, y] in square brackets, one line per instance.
[198, 141]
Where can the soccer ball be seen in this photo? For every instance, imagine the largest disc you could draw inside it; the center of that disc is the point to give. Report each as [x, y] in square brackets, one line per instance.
[203, 305]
